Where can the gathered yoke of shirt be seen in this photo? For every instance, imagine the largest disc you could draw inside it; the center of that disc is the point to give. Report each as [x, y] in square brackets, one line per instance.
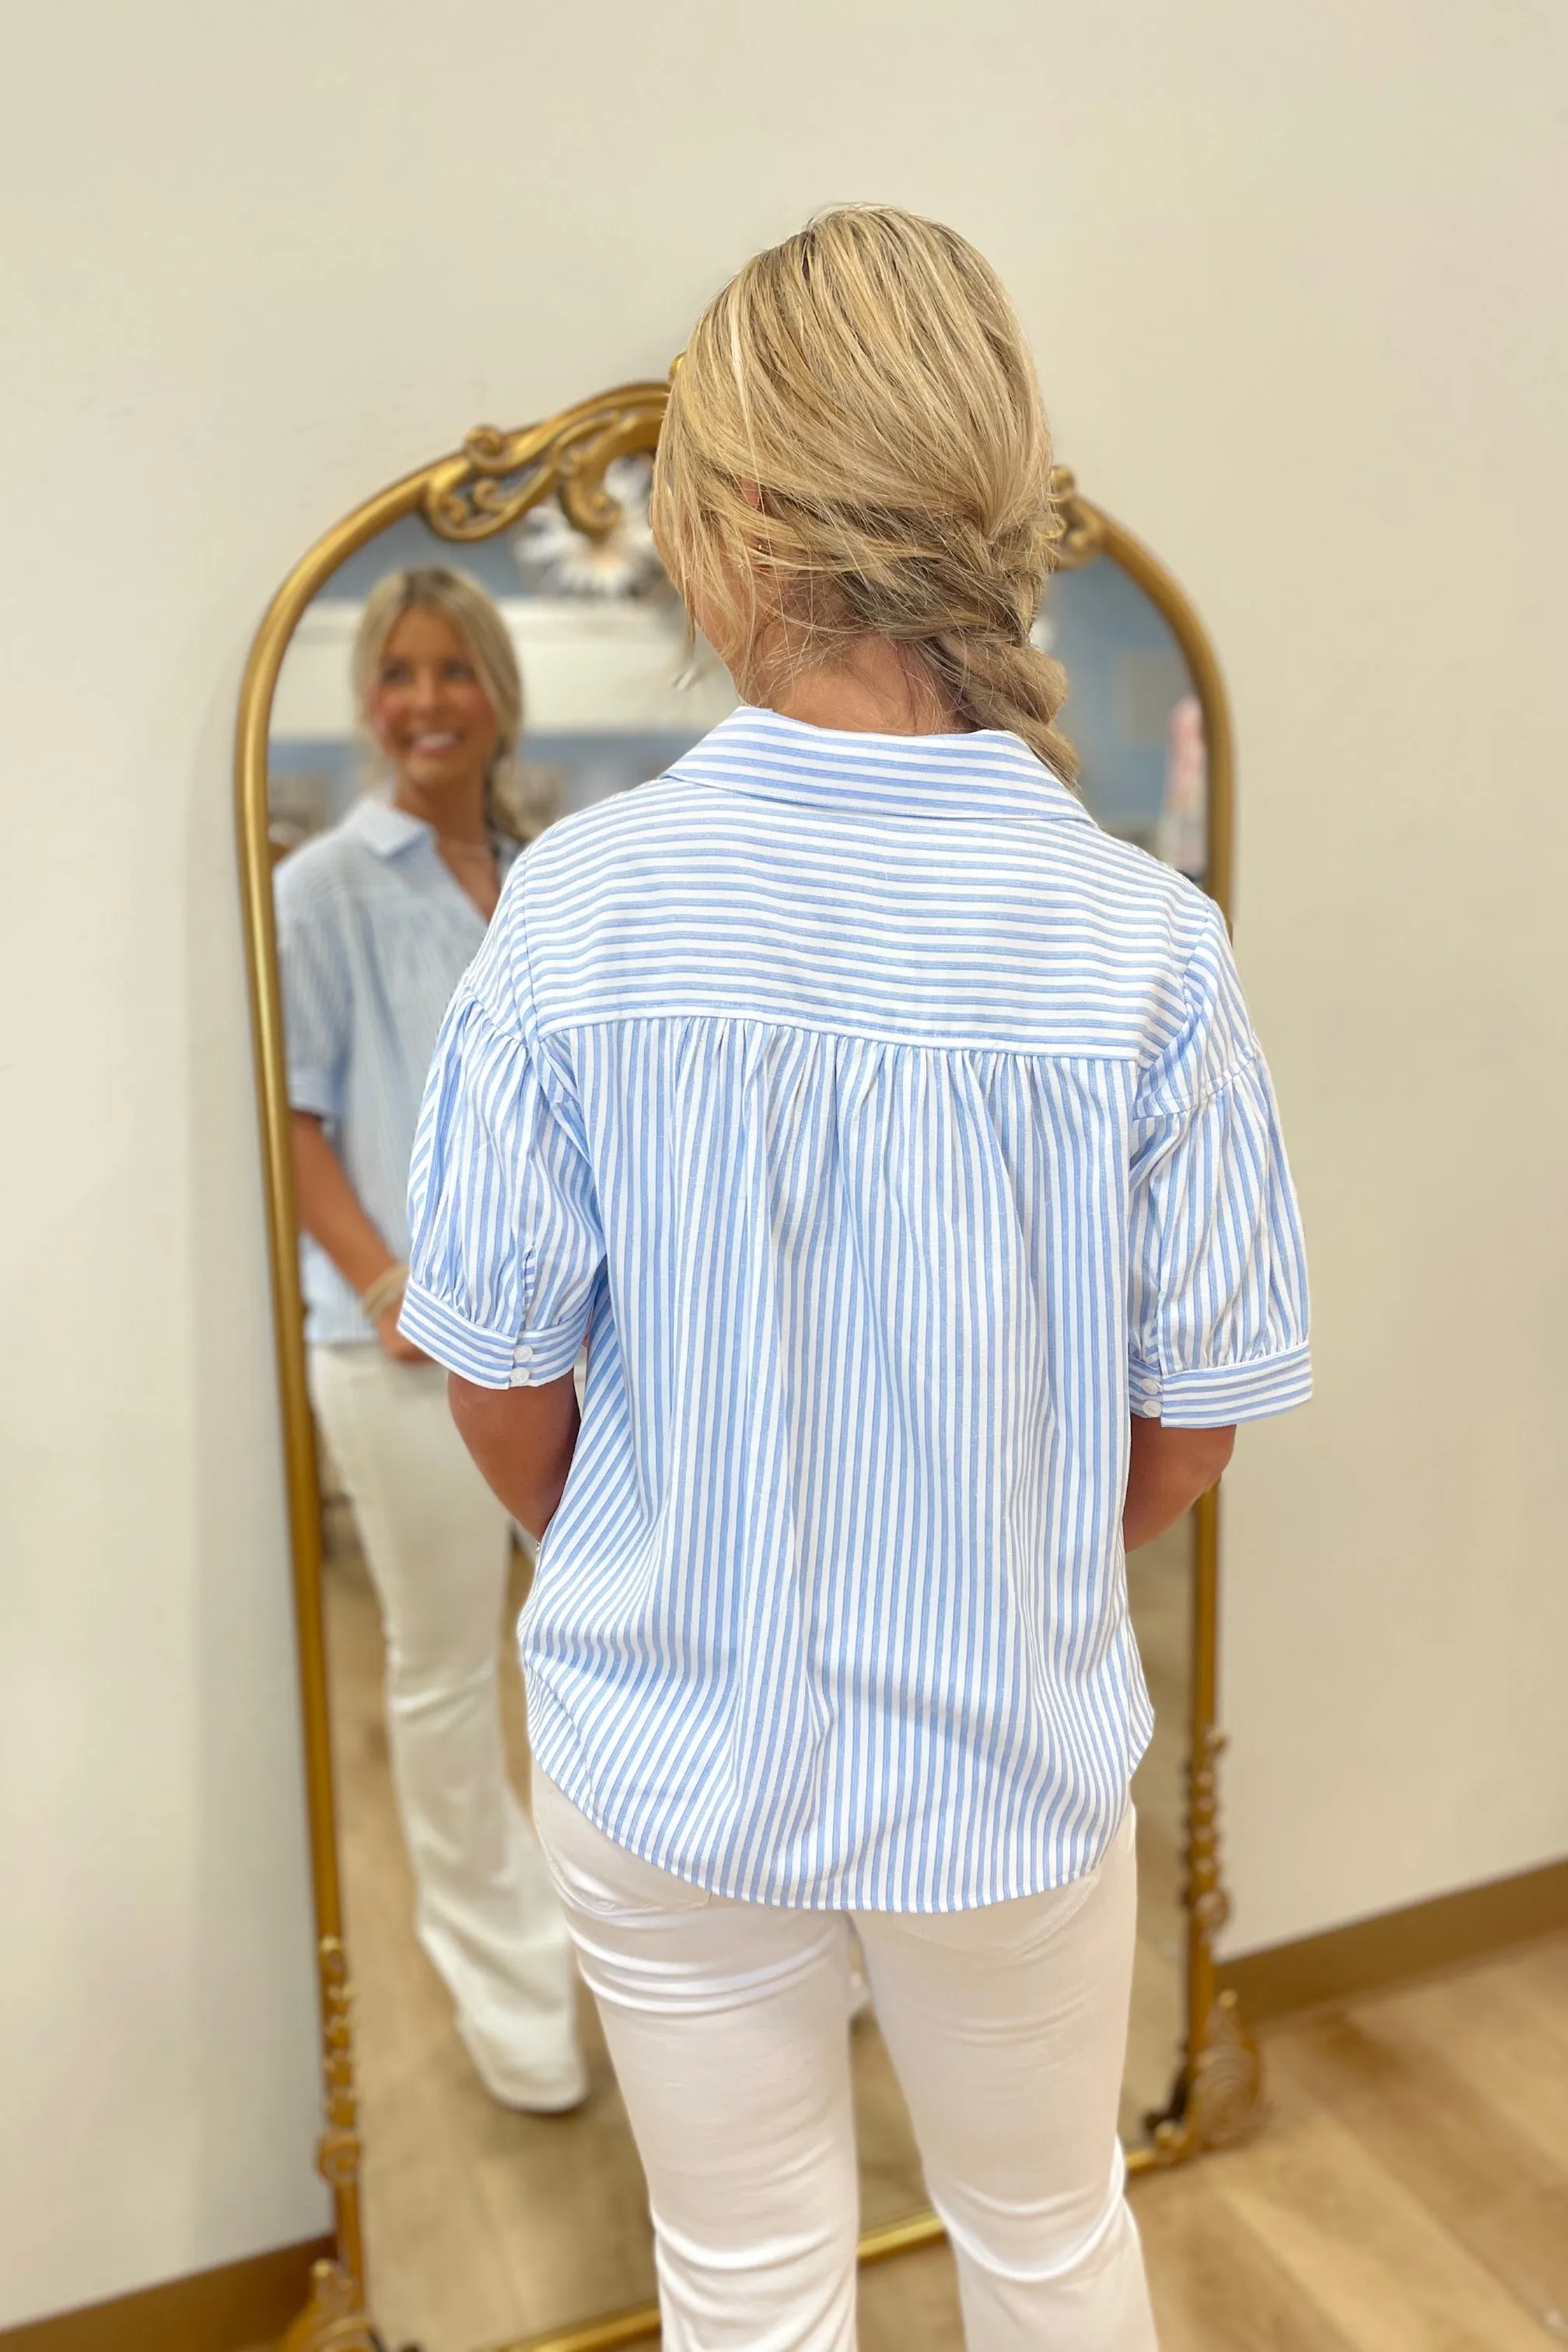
[893, 1134]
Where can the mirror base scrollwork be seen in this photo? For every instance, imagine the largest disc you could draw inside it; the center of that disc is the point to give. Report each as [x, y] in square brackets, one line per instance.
[1225, 2105]
[339, 2148]
[1225, 2097]
[334, 2320]
[1217, 2098]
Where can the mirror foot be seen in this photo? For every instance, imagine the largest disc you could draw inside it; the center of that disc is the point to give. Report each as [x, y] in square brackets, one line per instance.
[1225, 2099]
[334, 2320]
[1215, 2102]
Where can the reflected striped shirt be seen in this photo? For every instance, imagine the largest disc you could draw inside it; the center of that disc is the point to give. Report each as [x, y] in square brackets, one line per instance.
[374, 932]
[891, 1135]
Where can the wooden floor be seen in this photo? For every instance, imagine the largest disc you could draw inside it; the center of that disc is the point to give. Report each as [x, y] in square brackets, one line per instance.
[1409, 2192]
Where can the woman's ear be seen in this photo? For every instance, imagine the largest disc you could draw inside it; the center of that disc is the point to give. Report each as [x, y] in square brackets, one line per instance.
[752, 493]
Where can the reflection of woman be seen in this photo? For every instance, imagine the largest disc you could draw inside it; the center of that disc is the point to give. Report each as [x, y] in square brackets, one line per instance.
[905, 1143]
[377, 923]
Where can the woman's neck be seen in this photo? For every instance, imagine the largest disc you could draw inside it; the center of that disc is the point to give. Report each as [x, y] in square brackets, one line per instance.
[879, 689]
[454, 811]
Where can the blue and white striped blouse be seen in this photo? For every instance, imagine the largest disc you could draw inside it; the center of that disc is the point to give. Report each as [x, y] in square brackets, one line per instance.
[893, 1134]
[374, 932]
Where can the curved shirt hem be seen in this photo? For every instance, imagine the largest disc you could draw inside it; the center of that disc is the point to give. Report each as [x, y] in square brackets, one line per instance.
[558, 1754]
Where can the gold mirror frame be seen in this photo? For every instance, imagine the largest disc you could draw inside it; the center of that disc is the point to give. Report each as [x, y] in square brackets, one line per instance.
[482, 488]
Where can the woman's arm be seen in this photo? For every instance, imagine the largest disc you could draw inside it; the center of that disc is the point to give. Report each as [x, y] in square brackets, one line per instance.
[524, 1441]
[1170, 1469]
[331, 1214]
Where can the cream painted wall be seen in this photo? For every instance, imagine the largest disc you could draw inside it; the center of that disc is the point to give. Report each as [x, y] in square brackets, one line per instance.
[1294, 277]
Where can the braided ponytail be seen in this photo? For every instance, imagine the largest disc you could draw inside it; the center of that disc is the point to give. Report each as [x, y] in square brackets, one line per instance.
[855, 447]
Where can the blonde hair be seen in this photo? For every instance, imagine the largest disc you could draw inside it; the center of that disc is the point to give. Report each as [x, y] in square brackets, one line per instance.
[431, 588]
[856, 442]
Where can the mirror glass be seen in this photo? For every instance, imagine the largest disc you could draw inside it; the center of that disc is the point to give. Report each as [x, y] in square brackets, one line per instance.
[1132, 713]
[485, 2223]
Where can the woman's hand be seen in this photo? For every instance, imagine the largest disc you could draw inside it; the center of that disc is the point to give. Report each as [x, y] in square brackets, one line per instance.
[391, 1340]
[331, 1215]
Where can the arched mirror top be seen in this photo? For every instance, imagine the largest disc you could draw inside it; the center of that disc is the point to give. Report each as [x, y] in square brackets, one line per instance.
[1146, 706]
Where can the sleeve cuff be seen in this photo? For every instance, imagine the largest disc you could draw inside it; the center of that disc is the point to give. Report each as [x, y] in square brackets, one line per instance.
[312, 1091]
[491, 1359]
[1215, 1395]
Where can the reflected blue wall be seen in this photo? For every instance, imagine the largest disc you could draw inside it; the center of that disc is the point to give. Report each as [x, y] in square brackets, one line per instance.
[1124, 668]
[1125, 671]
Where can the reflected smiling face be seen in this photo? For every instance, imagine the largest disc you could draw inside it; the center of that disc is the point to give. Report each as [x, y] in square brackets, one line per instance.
[429, 714]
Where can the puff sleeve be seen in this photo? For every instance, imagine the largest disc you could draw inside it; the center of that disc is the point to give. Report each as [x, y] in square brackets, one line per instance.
[1217, 1308]
[506, 1243]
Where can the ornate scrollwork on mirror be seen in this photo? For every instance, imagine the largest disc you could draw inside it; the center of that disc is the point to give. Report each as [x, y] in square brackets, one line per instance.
[496, 478]
[1148, 711]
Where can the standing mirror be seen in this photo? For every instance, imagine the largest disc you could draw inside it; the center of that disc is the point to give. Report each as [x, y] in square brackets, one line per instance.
[464, 2224]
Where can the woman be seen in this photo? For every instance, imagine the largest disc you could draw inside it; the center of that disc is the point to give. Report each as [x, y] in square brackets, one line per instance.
[903, 1146]
[377, 923]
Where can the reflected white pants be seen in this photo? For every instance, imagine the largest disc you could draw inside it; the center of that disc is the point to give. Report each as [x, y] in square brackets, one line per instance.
[437, 1546]
[1008, 2026]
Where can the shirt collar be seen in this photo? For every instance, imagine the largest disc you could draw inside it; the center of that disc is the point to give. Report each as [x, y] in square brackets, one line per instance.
[985, 774]
[387, 830]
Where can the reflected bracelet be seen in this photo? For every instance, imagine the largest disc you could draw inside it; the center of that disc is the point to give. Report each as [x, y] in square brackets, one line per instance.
[388, 1286]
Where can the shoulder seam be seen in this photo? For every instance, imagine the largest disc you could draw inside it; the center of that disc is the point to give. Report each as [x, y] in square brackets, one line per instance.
[1191, 1105]
[566, 1025]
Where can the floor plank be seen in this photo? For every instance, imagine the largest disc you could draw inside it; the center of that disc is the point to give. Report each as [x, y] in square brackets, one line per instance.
[1504, 2028]
[1215, 2287]
[1357, 2242]
[1493, 2188]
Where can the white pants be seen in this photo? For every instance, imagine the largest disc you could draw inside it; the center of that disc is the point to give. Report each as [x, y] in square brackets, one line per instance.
[437, 1544]
[1008, 2026]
